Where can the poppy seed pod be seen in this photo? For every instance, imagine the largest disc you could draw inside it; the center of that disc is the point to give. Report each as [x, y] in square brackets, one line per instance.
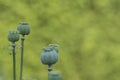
[49, 56]
[23, 28]
[13, 36]
[54, 46]
[54, 75]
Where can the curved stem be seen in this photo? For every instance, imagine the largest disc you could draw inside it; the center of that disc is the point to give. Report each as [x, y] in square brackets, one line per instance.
[22, 55]
[14, 62]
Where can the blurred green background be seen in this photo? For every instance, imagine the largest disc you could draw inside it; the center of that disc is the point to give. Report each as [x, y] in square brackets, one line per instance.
[87, 32]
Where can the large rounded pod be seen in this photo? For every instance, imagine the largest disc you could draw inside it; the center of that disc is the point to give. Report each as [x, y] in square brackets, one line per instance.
[13, 36]
[54, 75]
[49, 56]
[24, 28]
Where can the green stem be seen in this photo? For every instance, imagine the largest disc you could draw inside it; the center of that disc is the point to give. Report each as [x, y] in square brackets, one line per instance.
[14, 62]
[22, 55]
[49, 68]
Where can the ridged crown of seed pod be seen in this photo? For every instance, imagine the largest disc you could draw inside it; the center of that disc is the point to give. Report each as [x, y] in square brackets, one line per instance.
[54, 75]
[24, 28]
[49, 56]
[54, 46]
[13, 35]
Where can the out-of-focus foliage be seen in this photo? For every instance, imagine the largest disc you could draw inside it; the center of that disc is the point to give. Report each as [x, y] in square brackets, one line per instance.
[86, 30]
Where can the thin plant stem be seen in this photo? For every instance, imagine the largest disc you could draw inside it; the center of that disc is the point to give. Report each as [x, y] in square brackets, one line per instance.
[22, 56]
[49, 67]
[49, 70]
[14, 62]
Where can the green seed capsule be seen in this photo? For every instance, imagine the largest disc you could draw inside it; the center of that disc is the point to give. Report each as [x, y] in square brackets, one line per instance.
[24, 28]
[13, 36]
[49, 56]
[53, 75]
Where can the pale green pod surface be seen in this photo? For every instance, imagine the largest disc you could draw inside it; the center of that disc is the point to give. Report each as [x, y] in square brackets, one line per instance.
[53, 75]
[49, 56]
[24, 28]
[13, 36]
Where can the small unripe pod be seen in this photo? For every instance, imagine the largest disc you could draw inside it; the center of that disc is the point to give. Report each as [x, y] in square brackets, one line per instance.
[24, 28]
[13, 36]
[49, 56]
[53, 75]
